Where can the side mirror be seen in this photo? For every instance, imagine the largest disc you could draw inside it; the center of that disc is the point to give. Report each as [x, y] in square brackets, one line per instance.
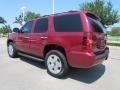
[16, 30]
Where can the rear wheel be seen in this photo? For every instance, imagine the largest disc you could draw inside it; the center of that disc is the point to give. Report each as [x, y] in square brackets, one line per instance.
[56, 63]
[11, 50]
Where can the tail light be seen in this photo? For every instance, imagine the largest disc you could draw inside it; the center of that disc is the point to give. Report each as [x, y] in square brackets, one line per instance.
[87, 41]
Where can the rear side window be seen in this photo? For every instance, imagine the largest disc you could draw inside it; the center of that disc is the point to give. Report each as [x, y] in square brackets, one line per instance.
[68, 23]
[41, 25]
[96, 26]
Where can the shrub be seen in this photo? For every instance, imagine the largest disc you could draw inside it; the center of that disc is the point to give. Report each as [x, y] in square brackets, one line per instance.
[115, 31]
[5, 29]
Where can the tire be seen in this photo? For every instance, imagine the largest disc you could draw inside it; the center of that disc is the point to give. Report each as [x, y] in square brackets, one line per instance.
[56, 63]
[11, 50]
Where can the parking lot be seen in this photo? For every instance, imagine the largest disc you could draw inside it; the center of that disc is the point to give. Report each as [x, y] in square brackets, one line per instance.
[25, 74]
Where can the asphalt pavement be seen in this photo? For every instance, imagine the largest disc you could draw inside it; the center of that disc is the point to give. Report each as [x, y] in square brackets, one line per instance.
[25, 74]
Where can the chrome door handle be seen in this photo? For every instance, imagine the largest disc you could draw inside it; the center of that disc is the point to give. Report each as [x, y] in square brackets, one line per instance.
[43, 37]
[27, 37]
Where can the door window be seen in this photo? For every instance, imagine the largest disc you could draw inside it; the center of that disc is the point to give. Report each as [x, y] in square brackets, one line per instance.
[41, 25]
[27, 27]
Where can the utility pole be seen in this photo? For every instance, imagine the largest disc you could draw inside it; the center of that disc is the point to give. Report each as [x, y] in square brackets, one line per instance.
[53, 6]
[23, 13]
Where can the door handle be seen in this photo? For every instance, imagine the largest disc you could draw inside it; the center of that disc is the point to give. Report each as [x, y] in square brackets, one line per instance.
[43, 37]
[27, 37]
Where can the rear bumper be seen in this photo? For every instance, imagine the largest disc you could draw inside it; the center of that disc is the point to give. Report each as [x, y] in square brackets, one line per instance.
[87, 59]
[103, 55]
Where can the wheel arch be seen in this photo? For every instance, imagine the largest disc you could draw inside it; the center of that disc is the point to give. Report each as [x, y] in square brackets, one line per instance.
[49, 47]
[8, 41]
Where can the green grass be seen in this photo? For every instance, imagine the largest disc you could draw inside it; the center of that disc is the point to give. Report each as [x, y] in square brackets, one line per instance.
[113, 44]
[113, 41]
[114, 38]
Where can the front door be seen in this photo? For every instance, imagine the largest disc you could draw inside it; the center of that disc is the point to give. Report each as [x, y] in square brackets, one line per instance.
[23, 40]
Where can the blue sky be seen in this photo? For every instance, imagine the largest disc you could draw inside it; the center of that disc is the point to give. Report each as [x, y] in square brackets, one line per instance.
[9, 9]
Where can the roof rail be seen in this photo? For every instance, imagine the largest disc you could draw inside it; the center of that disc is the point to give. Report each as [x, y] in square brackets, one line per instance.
[60, 13]
[72, 11]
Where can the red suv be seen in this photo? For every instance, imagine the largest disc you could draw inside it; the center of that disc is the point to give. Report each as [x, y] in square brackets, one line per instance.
[70, 39]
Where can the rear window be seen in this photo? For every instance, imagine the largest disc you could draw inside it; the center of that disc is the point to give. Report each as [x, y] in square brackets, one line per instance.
[97, 26]
[68, 23]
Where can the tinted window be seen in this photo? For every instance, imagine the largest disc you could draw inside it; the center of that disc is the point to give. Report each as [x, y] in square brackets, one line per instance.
[96, 26]
[68, 23]
[27, 27]
[41, 25]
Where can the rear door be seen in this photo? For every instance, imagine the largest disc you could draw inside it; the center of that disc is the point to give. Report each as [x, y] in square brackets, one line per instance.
[99, 35]
[39, 37]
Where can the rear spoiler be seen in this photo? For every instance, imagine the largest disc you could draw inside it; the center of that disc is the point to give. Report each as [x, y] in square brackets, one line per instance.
[91, 15]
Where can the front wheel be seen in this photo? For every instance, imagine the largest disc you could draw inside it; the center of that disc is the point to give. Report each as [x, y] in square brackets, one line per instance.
[11, 50]
[56, 63]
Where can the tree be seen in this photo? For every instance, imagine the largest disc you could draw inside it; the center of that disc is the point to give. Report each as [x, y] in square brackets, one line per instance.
[31, 15]
[115, 31]
[5, 29]
[28, 17]
[105, 11]
[19, 19]
[2, 21]
[108, 32]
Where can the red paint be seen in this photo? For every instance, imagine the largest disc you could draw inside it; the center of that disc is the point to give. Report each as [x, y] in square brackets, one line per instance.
[80, 47]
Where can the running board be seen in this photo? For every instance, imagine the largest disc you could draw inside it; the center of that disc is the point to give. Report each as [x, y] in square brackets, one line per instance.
[29, 56]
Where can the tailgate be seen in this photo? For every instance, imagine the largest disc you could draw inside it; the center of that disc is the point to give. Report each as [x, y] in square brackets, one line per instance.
[99, 36]
[99, 42]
